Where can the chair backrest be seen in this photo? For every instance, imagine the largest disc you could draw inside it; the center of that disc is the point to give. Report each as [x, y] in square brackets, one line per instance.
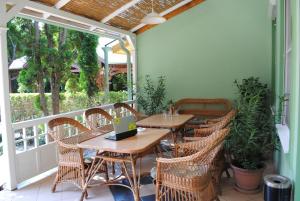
[203, 107]
[123, 109]
[214, 139]
[216, 126]
[64, 127]
[97, 119]
[213, 143]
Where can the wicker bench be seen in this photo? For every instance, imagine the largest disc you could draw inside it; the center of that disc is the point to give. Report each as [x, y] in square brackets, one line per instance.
[202, 109]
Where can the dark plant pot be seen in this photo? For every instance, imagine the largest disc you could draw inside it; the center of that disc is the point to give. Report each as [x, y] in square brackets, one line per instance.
[247, 181]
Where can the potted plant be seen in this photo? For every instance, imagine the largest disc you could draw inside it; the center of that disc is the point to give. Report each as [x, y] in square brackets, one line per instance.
[252, 134]
[152, 97]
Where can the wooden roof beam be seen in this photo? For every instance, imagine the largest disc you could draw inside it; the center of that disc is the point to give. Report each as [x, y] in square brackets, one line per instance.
[168, 14]
[58, 5]
[38, 7]
[120, 10]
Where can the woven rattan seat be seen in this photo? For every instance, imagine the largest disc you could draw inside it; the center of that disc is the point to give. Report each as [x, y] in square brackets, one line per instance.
[189, 177]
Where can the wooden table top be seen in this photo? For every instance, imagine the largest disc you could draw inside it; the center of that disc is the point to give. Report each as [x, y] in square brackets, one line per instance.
[139, 143]
[165, 121]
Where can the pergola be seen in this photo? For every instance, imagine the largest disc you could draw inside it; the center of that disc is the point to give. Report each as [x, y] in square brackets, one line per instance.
[116, 19]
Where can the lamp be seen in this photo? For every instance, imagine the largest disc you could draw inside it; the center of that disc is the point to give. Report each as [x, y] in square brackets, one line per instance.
[153, 17]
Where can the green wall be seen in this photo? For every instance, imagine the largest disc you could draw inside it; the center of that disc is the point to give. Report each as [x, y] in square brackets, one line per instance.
[203, 50]
[289, 163]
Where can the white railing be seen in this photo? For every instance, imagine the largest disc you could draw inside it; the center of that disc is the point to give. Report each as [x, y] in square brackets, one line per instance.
[32, 134]
[1, 143]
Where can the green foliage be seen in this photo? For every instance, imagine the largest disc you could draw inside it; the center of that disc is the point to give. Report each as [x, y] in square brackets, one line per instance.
[25, 106]
[252, 134]
[152, 97]
[119, 82]
[88, 61]
[72, 84]
[16, 35]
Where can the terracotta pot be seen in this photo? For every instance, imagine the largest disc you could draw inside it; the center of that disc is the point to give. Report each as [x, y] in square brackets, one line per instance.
[248, 181]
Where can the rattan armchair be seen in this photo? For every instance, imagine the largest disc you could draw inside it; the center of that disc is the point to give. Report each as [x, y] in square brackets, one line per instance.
[123, 109]
[67, 133]
[98, 120]
[219, 163]
[189, 178]
[212, 126]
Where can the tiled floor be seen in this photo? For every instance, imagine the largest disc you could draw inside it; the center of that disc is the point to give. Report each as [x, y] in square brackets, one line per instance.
[40, 191]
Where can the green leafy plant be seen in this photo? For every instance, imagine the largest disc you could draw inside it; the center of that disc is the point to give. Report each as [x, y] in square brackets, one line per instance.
[152, 97]
[252, 133]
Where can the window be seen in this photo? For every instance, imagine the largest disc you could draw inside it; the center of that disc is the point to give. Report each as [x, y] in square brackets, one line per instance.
[287, 62]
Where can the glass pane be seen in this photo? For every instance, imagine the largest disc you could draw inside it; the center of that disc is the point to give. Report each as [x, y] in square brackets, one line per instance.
[18, 134]
[42, 140]
[29, 132]
[41, 129]
[30, 144]
[20, 146]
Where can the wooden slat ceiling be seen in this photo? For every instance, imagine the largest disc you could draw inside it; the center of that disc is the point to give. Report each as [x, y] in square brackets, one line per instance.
[128, 19]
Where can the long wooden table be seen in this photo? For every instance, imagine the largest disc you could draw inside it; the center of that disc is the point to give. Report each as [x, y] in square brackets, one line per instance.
[173, 122]
[133, 147]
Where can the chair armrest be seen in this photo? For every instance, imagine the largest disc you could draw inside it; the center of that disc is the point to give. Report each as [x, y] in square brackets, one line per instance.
[68, 146]
[191, 139]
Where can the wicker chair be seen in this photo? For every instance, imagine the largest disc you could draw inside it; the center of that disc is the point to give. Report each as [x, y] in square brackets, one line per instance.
[123, 109]
[98, 120]
[219, 164]
[189, 178]
[212, 126]
[67, 133]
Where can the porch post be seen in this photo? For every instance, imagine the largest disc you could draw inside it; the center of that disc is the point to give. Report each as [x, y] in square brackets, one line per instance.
[129, 70]
[7, 133]
[132, 42]
[106, 69]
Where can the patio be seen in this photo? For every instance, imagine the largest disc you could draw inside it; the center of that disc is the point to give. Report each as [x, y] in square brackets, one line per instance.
[200, 50]
[40, 191]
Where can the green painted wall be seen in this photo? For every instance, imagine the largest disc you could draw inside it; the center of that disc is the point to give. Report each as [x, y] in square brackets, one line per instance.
[203, 50]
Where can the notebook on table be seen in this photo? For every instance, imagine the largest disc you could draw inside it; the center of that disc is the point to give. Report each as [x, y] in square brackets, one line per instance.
[124, 127]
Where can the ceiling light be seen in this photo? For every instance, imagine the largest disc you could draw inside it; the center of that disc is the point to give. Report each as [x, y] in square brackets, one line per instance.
[153, 17]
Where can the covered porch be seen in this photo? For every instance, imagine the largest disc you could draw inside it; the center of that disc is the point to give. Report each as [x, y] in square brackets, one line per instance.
[201, 49]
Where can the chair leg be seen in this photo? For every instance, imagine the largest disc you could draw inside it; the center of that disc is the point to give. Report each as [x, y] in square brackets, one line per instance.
[53, 189]
[227, 173]
[106, 171]
[113, 167]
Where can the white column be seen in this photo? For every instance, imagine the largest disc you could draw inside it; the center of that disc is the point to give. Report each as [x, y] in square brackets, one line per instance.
[7, 132]
[129, 70]
[106, 69]
[132, 43]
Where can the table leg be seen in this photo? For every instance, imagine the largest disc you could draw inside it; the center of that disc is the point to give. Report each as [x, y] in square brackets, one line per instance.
[136, 185]
[91, 174]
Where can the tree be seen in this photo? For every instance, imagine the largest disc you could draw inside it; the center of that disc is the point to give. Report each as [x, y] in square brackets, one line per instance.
[58, 61]
[36, 72]
[86, 45]
[16, 35]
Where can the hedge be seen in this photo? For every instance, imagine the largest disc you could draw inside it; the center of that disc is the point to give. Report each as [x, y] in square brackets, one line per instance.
[25, 106]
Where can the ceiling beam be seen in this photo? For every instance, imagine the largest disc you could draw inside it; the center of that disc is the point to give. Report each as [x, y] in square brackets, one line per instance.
[120, 10]
[41, 8]
[170, 13]
[15, 9]
[58, 5]
[61, 3]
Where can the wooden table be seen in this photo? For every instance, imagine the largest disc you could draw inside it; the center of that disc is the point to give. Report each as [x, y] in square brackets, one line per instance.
[132, 147]
[173, 122]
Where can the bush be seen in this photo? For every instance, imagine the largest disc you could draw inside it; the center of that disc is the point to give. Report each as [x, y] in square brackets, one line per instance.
[152, 97]
[252, 133]
[24, 106]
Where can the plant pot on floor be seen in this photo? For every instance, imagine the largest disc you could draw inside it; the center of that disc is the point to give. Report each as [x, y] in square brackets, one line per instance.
[248, 181]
